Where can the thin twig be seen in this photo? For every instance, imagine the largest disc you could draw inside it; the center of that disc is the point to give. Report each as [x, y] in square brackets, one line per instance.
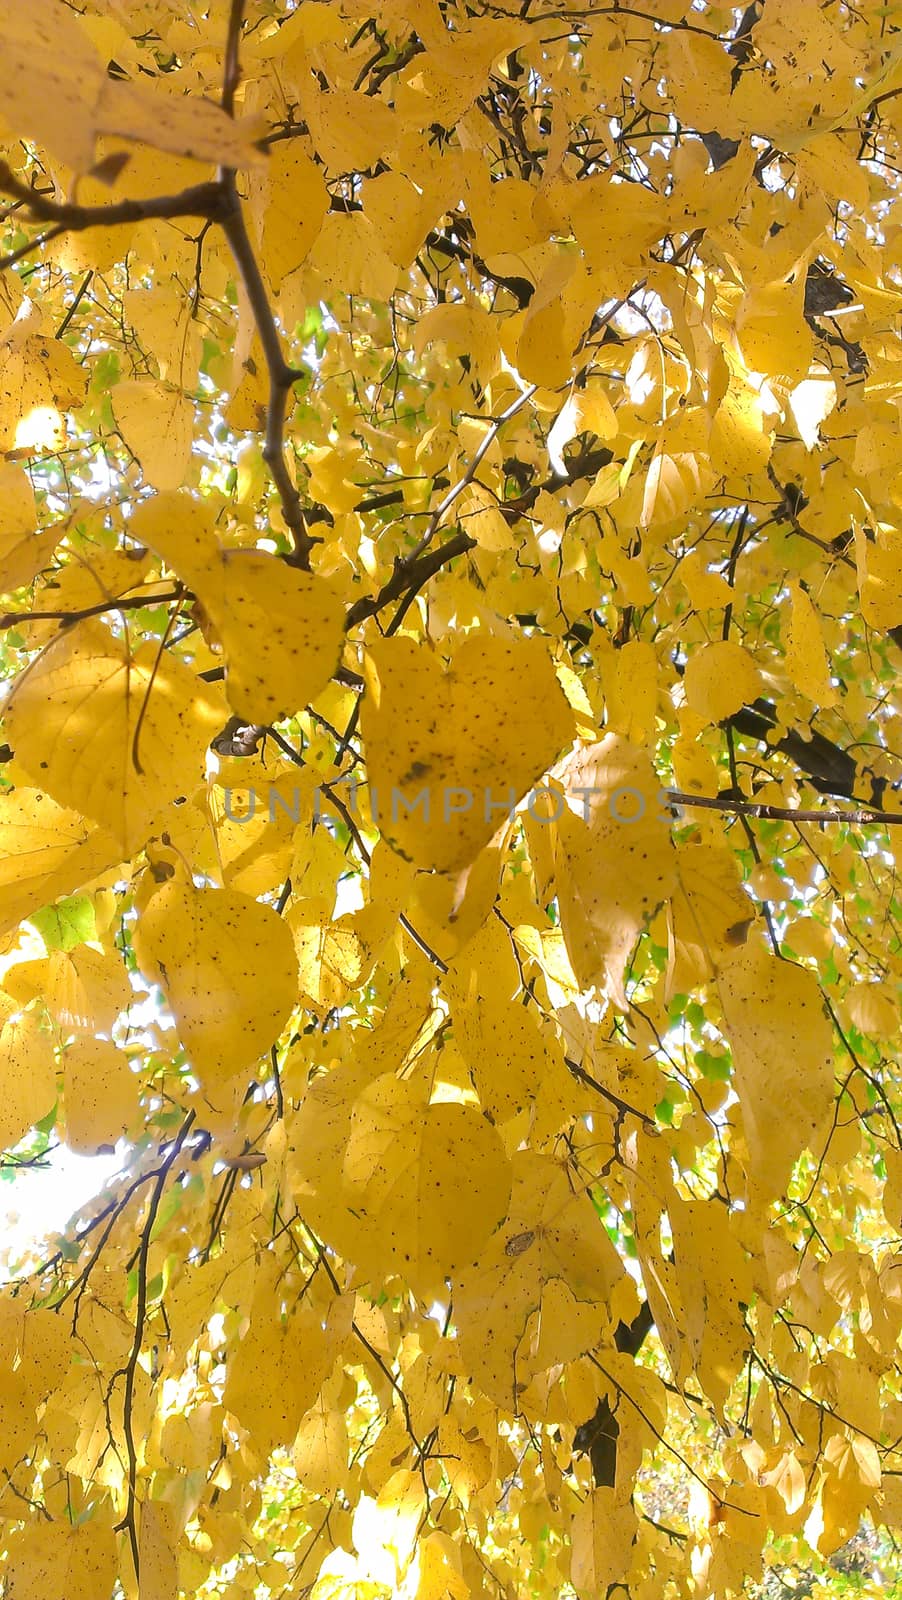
[457, 489]
[32, 244]
[80, 294]
[232, 72]
[129, 1371]
[765, 813]
[623, 1106]
[281, 375]
[11, 619]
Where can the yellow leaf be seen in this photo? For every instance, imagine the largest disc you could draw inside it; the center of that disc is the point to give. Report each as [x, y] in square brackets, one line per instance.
[347, 258]
[440, 1577]
[811, 402]
[40, 379]
[331, 959]
[464, 330]
[63, 1558]
[431, 1181]
[456, 65]
[100, 1096]
[602, 1535]
[320, 1450]
[806, 658]
[158, 1557]
[483, 521]
[551, 1233]
[297, 201]
[709, 915]
[715, 1282]
[350, 131]
[873, 1008]
[276, 1371]
[56, 89]
[694, 769]
[116, 735]
[227, 967]
[281, 629]
[17, 508]
[27, 1074]
[45, 851]
[631, 691]
[22, 558]
[157, 424]
[87, 989]
[673, 484]
[506, 1053]
[161, 317]
[788, 1478]
[706, 590]
[397, 212]
[773, 335]
[614, 861]
[741, 441]
[451, 752]
[720, 678]
[543, 350]
[879, 566]
[781, 1040]
[596, 412]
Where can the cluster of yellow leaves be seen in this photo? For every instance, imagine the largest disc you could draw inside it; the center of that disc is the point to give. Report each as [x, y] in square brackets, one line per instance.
[512, 1184]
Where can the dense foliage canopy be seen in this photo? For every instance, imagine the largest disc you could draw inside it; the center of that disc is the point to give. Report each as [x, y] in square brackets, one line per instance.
[451, 539]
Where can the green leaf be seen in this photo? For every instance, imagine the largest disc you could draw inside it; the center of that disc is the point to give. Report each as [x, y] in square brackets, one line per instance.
[67, 924]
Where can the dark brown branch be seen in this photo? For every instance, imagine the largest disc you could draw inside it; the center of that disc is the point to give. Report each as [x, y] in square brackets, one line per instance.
[623, 1106]
[130, 602]
[199, 200]
[281, 375]
[750, 808]
[411, 572]
[409, 575]
[232, 71]
[522, 289]
[624, 1394]
[80, 294]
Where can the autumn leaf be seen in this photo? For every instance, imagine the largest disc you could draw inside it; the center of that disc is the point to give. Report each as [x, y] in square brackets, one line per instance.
[108, 731]
[227, 967]
[455, 750]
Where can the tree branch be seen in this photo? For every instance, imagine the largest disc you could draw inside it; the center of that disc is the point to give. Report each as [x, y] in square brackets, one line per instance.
[199, 200]
[623, 1106]
[232, 70]
[130, 602]
[749, 808]
[457, 489]
[130, 1370]
[409, 575]
[281, 375]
